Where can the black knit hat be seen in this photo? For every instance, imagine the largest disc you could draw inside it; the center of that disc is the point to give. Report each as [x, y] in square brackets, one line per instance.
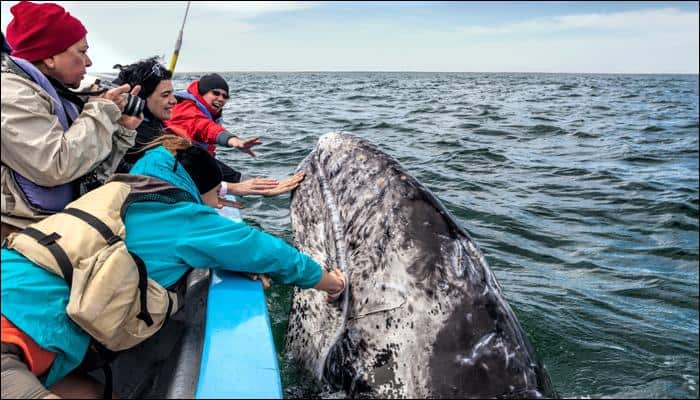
[203, 169]
[211, 81]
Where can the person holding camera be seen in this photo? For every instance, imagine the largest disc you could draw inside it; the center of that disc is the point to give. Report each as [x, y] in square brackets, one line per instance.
[157, 91]
[55, 145]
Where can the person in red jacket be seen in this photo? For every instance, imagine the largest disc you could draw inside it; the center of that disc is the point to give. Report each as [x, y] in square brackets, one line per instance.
[197, 116]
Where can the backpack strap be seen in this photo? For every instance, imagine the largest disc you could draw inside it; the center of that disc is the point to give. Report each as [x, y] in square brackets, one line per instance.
[111, 238]
[91, 220]
[144, 315]
[49, 241]
[99, 357]
[109, 383]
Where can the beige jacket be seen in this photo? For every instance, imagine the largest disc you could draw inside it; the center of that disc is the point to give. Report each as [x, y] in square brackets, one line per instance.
[35, 145]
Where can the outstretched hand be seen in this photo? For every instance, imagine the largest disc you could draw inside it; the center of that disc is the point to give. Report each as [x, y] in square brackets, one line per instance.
[251, 186]
[333, 283]
[285, 185]
[244, 145]
[265, 186]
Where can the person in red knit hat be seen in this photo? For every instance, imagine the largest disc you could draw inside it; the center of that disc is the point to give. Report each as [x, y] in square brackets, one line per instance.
[55, 147]
[43, 31]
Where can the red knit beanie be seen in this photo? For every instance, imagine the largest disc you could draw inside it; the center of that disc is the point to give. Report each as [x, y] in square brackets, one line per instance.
[39, 31]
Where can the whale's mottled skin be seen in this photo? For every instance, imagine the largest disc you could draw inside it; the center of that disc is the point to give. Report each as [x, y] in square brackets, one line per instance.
[424, 315]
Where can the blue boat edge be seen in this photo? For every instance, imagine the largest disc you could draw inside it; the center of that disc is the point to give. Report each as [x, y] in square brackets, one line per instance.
[238, 358]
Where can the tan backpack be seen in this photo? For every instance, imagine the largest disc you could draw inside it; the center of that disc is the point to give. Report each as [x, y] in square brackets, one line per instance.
[111, 296]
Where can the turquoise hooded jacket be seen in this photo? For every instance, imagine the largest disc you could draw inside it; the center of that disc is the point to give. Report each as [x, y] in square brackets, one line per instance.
[170, 238]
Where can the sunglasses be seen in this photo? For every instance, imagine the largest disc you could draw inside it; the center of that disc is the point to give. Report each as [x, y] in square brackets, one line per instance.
[155, 70]
[220, 93]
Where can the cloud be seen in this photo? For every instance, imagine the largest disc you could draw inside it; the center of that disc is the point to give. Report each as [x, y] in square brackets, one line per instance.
[251, 9]
[643, 41]
[162, 11]
[661, 20]
[237, 36]
[116, 30]
[235, 10]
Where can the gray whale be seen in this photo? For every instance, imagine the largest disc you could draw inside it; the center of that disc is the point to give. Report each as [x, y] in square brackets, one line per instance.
[424, 315]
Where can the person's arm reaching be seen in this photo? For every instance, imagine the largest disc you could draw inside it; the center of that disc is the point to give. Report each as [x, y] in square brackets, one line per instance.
[243, 145]
[213, 241]
[189, 120]
[217, 242]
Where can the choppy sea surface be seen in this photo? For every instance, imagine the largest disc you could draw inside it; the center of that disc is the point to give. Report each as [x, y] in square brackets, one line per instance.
[581, 190]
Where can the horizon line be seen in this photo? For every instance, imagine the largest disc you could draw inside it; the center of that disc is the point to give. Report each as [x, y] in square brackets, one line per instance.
[428, 71]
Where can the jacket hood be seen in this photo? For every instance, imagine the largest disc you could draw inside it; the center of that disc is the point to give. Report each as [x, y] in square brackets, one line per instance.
[158, 163]
[193, 89]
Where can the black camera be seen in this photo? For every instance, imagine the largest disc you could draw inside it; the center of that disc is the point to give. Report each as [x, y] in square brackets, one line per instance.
[134, 104]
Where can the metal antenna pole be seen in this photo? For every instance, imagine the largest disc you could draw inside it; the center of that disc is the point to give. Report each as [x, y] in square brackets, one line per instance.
[178, 43]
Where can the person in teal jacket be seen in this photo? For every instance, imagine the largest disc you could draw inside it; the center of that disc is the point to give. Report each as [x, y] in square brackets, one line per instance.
[171, 239]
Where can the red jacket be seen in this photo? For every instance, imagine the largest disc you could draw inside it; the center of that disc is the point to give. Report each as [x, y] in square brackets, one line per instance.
[189, 121]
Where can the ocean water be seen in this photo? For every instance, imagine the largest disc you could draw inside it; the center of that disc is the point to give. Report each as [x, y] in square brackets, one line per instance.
[582, 191]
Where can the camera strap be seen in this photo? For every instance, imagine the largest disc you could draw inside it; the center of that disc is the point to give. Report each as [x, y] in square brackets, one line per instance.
[95, 93]
[68, 95]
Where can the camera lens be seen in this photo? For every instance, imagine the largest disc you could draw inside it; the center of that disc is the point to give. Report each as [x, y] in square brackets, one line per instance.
[134, 105]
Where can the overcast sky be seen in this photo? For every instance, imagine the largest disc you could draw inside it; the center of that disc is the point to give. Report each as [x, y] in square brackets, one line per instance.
[599, 37]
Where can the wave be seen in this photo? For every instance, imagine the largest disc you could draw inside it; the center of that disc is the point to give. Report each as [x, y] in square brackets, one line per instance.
[356, 97]
[467, 125]
[479, 154]
[394, 127]
[585, 135]
[491, 132]
[645, 159]
[422, 110]
[544, 119]
[279, 101]
[546, 130]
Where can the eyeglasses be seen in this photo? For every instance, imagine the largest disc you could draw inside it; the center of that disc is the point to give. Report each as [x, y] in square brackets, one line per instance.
[219, 93]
